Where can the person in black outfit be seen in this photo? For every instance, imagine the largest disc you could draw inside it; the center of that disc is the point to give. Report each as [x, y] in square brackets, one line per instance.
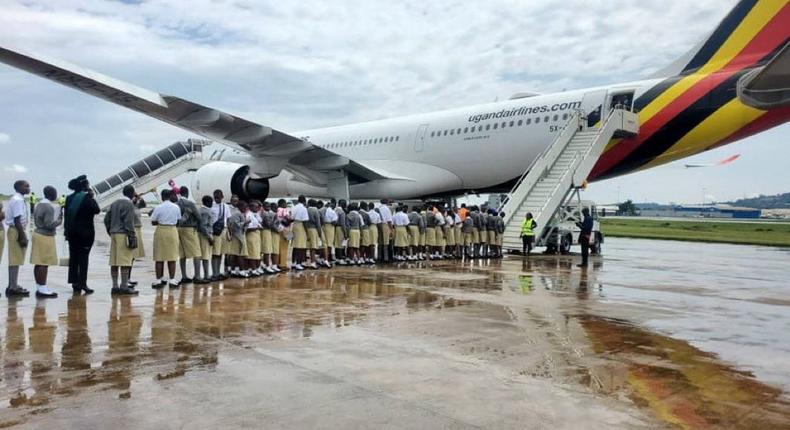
[584, 237]
[80, 210]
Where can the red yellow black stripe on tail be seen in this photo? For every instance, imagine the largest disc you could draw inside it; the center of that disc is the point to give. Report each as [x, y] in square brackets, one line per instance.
[694, 111]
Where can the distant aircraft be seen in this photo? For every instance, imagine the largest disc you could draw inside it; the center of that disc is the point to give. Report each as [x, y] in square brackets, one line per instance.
[732, 85]
[727, 160]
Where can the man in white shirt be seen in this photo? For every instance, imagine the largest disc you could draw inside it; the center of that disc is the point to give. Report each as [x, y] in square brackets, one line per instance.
[300, 216]
[386, 230]
[16, 224]
[166, 244]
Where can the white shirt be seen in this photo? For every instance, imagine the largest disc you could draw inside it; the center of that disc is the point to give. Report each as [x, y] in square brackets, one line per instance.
[375, 218]
[330, 216]
[255, 220]
[299, 213]
[457, 219]
[16, 207]
[215, 210]
[449, 219]
[400, 218]
[167, 213]
[386, 214]
[439, 218]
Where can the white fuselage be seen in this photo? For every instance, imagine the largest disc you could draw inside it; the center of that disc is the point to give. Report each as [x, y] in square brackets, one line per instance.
[452, 151]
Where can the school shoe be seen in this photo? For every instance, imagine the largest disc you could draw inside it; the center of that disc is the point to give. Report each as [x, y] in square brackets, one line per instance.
[327, 264]
[185, 281]
[131, 284]
[124, 291]
[276, 269]
[173, 284]
[45, 293]
[312, 265]
[201, 281]
[298, 267]
[16, 292]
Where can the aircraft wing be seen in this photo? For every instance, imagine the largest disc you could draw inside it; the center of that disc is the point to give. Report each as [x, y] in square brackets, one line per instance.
[279, 148]
[768, 87]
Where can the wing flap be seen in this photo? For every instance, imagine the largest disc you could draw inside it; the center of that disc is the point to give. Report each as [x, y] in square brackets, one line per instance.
[768, 87]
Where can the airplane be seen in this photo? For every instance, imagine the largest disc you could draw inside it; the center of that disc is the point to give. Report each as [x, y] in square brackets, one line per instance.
[734, 84]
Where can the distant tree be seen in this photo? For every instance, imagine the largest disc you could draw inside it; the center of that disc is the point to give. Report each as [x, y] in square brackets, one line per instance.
[627, 208]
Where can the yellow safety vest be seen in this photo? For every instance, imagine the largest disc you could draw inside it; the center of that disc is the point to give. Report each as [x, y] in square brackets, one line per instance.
[526, 227]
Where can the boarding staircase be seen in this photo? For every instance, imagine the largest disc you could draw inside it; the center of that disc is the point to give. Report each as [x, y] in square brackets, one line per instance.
[561, 168]
[153, 171]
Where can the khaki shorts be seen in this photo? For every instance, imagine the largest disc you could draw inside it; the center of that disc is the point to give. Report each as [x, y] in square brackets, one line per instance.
[166, 243]
[205, 248]
[492, 237]
[329, 235]
[139, 252]
[16, 254]
[189, 243]
[266, 241]
[353, 238]
[120, 254]
[468, 239]
[253, 239]
[385, 233]
[365, 237]
[414, 235]
[219, 243]
[475, 235]
[401, 236]
[483, 236]
[340, 236]
[313, 239]
[300, 235]
[42, 250]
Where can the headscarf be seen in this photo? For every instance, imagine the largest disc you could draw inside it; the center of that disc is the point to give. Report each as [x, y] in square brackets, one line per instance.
[78, 185]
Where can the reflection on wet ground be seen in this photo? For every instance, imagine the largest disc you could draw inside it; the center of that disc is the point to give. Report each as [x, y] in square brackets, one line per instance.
[502, 344]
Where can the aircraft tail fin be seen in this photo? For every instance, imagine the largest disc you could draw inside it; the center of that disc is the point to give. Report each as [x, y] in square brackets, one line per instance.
[749, 36]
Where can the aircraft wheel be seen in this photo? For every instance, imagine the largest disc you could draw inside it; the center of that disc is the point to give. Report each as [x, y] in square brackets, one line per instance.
[565, 244]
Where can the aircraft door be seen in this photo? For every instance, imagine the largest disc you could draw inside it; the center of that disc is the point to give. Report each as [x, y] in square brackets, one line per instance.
[592, 105]
[419, 137]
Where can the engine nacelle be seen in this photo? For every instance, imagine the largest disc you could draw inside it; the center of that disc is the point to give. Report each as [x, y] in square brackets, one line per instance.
[231, 178]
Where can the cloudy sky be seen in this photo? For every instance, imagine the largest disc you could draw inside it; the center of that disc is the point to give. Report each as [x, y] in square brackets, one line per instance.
[306, 64]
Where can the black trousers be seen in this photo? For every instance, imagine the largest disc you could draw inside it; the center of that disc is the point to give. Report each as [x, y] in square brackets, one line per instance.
[526, 244]
[79, 255]
[584, 241]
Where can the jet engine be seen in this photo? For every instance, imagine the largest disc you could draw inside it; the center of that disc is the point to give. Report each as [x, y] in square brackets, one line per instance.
[231, 178]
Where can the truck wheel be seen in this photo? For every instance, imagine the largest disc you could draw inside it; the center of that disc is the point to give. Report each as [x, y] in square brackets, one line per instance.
[565, 244]
[597, 247]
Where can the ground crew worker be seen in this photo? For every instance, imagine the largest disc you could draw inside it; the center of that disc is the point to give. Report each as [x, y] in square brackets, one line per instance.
[401, 222]
[206, 238]
[166, 243]
[375, 231]
[386, 230]
[527, 233]
[43, 253]
[414, 233]
[33, 200]
[220, 212]
[586, 225]
[189, 244]
[119, 222]
[299, 230]
[16, 225]
[354, 224]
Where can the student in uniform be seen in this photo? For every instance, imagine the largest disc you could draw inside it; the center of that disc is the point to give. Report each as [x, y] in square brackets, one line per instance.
[16, 225]
[253, 237]
[493, 250]
[237, 240]
[329, 224]
[365, 241]
[449, 218]
[341, 233]
[220, 212]
[314, 233]
[483, 217]
[205, 231]
[299, 242]
[354, 225]
[430, 233]
[81, 209]
[468, 233]
[166, 242]
[459, 238]
[2, 231]
[119, 222]
[139, 252]
[284, 223]
[414, 233]
[439, 222]
[375, 232]
[500, 231]
[401, 222]
[46, 218]
[229, 260]
[386, 230]
[189, 243]
[267, 221]
[423, 234]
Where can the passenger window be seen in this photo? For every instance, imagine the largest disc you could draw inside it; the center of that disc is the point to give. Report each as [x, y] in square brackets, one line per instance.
[445, 133]
[488, 126]
[431, 134]
[504, 124]
[397, 138]
[452, 132]
[458, 131]
[511, 123]
[529, 121]
[479, 128]
[546, 119]
[537, 120]
[466, 129]
[556, 117]
[520, 122]
[496, 125]
[565, 116]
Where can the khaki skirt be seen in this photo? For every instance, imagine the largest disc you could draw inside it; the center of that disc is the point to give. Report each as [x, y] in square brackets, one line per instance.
[450, 234]
[120, 254]
[166, 243]
[276, 239]
[237, 247]
[16, 254]
[253, 244]
[43, 251]
[375, 230]
[401, 236]
[189, 242]
[266, 241]
[475, 235]
[139, 252]
[329, 235]
[206, 249]
[313, 239]
[385, 233]
[468, 239]
[440, 240]
[423, 238]
[219, 243]
[300, 235]
[414, 235]
[492, 237]
[483, 236]
[353, 238]
[340, 236]
[366, 237]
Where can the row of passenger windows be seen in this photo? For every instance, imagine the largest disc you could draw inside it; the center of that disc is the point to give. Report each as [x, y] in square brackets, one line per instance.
[497, 125]
[360, 142]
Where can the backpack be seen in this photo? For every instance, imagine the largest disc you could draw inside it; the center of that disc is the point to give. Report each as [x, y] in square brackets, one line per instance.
[219, 226]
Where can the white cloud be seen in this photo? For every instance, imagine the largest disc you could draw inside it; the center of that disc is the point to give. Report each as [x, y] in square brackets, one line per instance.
[4, 138]
[15, 168]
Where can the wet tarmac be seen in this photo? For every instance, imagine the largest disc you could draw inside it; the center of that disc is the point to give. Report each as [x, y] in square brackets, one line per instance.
[656, 335]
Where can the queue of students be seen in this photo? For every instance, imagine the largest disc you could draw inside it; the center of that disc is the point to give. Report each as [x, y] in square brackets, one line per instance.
[251, 238]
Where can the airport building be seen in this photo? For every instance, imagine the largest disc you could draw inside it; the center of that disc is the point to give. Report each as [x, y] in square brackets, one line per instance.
[704, 211]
